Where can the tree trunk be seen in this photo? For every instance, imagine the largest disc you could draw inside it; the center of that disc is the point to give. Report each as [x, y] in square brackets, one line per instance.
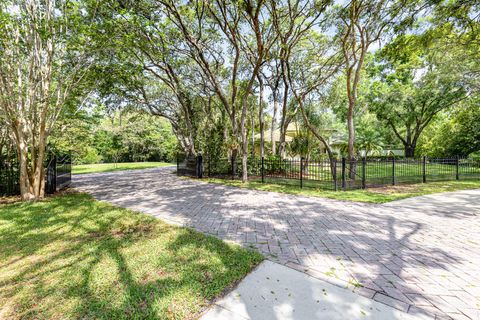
[274, 125]
[190, 145]
[282, 150]
[31, 178]
[233, 160]
[285, 120]
[351, 141]
[253, 136]
[225, 138]
[261, 119]
[39, 171]
[244, 140]
[26, 191]
[409, 151]
[245, 163]
[282, 146]
[32, 171]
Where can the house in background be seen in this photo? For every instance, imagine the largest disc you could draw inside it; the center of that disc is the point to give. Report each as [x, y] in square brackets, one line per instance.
[337, 141]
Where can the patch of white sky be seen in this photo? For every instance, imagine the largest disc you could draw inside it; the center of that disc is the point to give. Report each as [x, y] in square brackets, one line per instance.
[13, 9]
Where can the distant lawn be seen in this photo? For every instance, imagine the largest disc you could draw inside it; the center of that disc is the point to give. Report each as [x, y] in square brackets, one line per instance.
[105, 167]
[372, 195]
[374, 170]
[71, 257]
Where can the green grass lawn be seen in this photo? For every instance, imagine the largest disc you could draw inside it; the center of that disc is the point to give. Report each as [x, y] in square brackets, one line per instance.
[373, 170]
[71, 257]
[105, 167]
[372, 195]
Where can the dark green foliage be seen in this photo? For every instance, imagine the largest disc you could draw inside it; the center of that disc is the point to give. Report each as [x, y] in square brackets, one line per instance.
[457, 133]
[123, 136]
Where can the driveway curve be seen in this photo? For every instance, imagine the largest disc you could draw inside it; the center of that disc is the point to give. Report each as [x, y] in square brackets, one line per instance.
[419, 255]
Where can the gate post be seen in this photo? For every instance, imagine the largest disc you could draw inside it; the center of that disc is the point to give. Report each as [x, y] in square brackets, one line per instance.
[364, 163]
[263, 170]
[178, 165]
[424, 169]
[199, 166]
[344, 182]
[52, 176]
[393, 171]
[301, 171]
[335, 187]
[457, 175]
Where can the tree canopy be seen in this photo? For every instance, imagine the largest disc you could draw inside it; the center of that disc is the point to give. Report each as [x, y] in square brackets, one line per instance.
[232, 77]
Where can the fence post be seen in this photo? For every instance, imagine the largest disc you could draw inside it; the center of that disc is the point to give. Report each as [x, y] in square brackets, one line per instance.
[364, 163]
[263, 170]
[232, 160]
[178, 165]
[457, 174]
[301, 172]
[52, 176]
[209, 159]
[335, 187]
[424, 169]
[70, 167]
[393, 171]
[344, 182]
[199, 166]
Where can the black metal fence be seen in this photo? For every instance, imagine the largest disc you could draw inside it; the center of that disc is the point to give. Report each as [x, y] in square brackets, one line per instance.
[341, 174]
[9, 177]
[58, 175]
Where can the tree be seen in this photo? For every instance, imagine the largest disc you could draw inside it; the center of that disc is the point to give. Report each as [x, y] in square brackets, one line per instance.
[293, 22]
[240, 28]
[273, 83]
[307, 85]
[361, 24]
[456, 133]
[43, 59]
[415, 83]
[74, 133]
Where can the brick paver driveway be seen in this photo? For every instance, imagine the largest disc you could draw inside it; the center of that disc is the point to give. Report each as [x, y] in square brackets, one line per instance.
[417, 255]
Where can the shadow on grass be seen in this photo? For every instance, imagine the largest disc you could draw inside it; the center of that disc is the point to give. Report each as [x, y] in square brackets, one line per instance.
[73, 257]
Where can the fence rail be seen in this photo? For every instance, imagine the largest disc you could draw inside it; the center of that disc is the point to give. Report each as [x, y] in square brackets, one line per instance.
[340, 174]
[58, 175]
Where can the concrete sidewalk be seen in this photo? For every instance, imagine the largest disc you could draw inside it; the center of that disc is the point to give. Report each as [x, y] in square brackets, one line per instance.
[274, 291]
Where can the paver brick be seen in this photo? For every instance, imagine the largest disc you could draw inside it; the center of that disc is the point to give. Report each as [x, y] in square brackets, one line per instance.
[394, 303]
[412, 255]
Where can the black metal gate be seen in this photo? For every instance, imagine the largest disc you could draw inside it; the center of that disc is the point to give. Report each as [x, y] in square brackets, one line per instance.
[58, 175]
[190, 165]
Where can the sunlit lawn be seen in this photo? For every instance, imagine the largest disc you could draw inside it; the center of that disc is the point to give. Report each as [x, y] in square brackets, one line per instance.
[71, 257]
[373, 195]
[105, 167]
